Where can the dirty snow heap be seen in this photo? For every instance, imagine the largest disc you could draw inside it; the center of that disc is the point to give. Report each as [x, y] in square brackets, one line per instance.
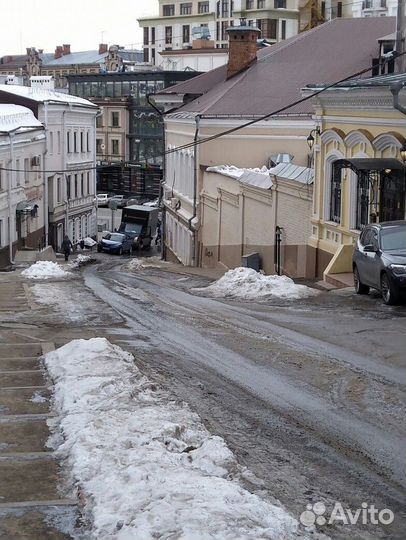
[249, 284]
[146, 466]
[45, 270]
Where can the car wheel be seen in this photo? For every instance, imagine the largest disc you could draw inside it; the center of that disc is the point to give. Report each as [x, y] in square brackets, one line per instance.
[389, 294]
[120, 251]
[99, 249]
[360, 288]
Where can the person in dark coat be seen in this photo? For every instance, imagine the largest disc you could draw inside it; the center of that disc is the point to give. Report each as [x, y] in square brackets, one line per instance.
[67, 246]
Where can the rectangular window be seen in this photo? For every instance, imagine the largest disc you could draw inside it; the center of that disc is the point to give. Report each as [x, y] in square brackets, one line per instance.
[115, 147]
[280, 4]
[99, 121]
[335, 195]
[224, 8]
[75, 141]
[261, 4]
[51, 142]
[82, 184]
[249, 4]
[68, 142]
[88, 182]
[152, 36]
[87, 141]
[58, 138]
[146, 35]
[68, 190]
[185, 33]
[115, 119]
[283, 29]
[146, 55]
[99, 143]
[18, 172]
[268, 28]
[186, 9]
[203, 7]
[58, 190]
[224, 26]
[153, 56]
[26, 170]
[339, 9]
[168, 35]
[82, 142]
[168, 10]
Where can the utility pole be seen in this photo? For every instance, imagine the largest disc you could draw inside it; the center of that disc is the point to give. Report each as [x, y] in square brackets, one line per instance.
[401, 37]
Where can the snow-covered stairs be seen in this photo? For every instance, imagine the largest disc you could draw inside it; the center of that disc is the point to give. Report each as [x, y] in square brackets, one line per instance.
[30, 505]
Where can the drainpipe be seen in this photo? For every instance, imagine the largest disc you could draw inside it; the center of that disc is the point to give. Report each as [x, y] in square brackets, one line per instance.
[195, 187]
[64, 176]
[161, 190]
[10, 183]
[395, 89]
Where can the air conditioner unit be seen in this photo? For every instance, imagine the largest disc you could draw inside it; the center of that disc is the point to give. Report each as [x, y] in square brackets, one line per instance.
[35, 161]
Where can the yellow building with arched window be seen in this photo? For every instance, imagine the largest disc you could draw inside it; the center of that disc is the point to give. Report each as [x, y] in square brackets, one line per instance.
[359, 157]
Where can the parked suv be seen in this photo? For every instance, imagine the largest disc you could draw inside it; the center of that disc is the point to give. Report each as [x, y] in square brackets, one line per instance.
[379, 261]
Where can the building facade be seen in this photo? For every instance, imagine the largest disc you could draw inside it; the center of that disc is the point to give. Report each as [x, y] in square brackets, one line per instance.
[220, 107]
[69, 163]
[128, 127]
[360, 174]
[63, 62]
[181, 27]
[23, 197]
[257, 211]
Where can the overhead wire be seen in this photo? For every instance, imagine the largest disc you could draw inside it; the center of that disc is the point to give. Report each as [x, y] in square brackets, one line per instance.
[193, 144]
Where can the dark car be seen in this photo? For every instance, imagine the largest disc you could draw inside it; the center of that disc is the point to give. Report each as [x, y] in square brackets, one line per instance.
[115, 243]
[379, 261]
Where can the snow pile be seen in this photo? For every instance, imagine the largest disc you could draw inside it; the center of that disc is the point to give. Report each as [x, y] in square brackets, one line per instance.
[81, 260]
[248, 284]
[146, 466]
[45, 270]
[147, 262]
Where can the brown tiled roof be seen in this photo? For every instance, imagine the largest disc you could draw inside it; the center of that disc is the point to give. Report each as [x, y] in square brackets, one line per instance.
[324, 54]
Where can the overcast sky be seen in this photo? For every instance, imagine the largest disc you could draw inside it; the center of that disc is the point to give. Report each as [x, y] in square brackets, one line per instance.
[81, 23]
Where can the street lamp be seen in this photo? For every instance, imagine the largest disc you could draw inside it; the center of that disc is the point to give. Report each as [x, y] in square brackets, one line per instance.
[310, 138]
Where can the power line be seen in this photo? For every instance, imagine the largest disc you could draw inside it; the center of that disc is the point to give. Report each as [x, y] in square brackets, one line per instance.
[225, 132]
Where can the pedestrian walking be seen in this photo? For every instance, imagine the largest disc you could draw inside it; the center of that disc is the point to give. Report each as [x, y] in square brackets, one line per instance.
[67, 246]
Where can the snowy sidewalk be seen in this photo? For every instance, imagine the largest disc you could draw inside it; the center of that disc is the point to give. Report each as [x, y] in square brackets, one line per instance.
[146, 465]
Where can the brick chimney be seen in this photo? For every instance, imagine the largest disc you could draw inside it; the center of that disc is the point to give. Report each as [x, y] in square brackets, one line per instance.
[66, 49]
[58, 52]
[242, 48]
[103, 47]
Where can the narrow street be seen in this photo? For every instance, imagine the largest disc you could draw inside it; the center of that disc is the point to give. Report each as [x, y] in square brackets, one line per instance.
[308, 394]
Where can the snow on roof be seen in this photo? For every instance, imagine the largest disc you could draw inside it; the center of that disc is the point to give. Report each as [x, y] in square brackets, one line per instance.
[253, 177]
[13, 117]
[289, 171]
[42, 95]
[262, 177]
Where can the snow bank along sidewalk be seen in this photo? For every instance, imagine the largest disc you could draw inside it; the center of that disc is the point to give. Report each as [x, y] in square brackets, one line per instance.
[147, 466]
[45, 270]
[248, 284]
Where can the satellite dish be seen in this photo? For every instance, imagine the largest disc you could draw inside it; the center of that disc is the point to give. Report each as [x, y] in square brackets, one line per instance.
[102, 146]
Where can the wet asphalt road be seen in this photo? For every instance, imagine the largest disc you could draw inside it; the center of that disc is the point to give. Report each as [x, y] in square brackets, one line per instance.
[308, 394]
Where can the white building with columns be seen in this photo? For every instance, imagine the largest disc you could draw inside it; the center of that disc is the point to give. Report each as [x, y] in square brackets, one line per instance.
[69, 163]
